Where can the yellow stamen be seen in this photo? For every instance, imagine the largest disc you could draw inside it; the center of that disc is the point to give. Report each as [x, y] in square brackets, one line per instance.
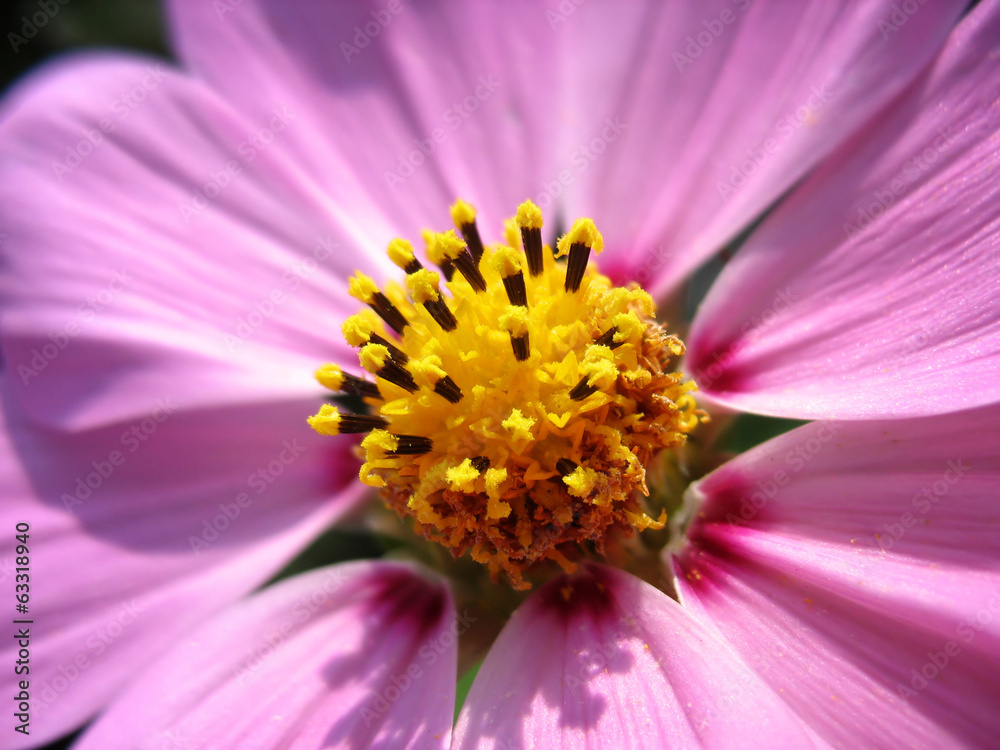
[330, 376]
[507, 261]
[521, 409]
[519, 426]
[401, 253]
[327, 422]
[463, 213]
[444, 247]
[358, 329]
[583, 232]
[373, 357]
[529, 216]
[362, 288]
[581, 482]
[516, 321]
[462, 478]
[423, 286]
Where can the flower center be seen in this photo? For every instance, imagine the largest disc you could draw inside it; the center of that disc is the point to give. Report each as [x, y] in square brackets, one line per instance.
[513, 419]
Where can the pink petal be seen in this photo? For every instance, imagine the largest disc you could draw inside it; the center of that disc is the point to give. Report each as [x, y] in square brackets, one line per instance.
[130, 549]
[355, 655]
[604, 660]
[705, 91]
[404, 107]
[854, 565]
[901, 318]
[115, 313]
[558, 76]
[109, 292]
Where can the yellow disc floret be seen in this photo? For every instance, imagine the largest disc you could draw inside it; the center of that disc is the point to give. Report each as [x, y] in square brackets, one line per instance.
[517, 408]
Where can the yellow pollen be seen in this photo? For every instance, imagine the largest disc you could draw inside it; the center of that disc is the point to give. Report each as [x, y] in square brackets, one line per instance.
[581, 482]
[361, 287]
[463, 213]
[423, 286]
[506, 261]
[529, 216]
[380, 440]
[518, 408]
[512, 233]
[583, 232]
[599, 367]
[427, 370]
[358, 329]
[401, 253]
[327, 422]
[330, 376]
[444, 246]
[462, 477]
[516, 321]
[519, 426]
[373, 357]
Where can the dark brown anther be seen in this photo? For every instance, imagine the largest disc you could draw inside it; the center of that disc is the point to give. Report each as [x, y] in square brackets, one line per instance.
[447, 388]
[357, 423]
[521, 347]
[470, 233]
[355, 386]
[469, 268]
[565, 467]
[388, 312]
[531, 238]
[579, 254]
[397, 354]
[398, 375]
[516, 293]
[608, 339]
[411, 445]
[441, 313]
[582, 389]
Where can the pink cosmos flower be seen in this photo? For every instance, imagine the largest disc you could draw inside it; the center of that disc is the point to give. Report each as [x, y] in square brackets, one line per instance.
[175, 254]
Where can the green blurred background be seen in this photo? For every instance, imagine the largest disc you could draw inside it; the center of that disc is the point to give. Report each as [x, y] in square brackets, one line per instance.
[58, 26]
